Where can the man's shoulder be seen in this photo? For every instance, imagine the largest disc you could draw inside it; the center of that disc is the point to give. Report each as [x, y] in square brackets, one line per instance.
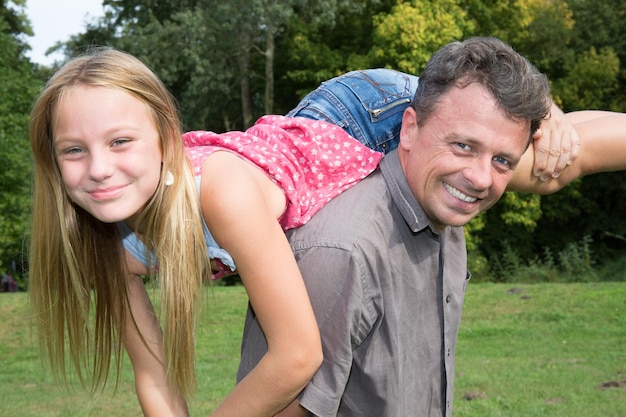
[351, 214]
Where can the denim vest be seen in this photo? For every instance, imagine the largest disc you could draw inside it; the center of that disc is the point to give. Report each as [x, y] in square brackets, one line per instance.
[367, 104]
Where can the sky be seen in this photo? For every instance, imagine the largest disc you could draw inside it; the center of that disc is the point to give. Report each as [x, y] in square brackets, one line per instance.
[57, 20]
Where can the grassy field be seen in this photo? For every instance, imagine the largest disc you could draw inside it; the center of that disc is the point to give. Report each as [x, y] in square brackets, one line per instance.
[555, 350]
[542, 350]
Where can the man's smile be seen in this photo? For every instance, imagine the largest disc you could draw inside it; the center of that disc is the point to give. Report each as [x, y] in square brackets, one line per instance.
[458, 194]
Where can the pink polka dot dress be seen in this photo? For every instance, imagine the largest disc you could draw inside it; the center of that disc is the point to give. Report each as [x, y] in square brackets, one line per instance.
[311, 160]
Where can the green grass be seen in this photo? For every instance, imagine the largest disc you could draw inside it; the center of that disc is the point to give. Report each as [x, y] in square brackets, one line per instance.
[542, 350]
[28, 390]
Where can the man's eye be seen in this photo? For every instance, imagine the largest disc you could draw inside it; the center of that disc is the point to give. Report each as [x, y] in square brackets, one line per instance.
[501, 160]
[463, 146]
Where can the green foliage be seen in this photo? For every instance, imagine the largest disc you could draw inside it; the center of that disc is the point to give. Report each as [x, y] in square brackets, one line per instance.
[478, 265]
[224, 59]
[575, 263]
[405, 38]
[591, 83]
[514, 220]
[142, 12]
[546, 38]
[601, 26]
[473, 232]
[177, 51]
[594, 207]
[614, 270]
[321, 49]
[318, 61]
[18, 87]
[14, 21]
[520, 209]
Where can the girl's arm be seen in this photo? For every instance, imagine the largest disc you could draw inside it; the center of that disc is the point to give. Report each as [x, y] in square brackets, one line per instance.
[293, 410]
[602, 149]
[241, 206]
[155, 395]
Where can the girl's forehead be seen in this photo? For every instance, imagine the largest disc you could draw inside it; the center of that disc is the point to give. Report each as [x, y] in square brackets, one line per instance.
[87, 109]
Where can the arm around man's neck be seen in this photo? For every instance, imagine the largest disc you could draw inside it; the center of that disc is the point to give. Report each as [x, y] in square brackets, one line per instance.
[602, 149]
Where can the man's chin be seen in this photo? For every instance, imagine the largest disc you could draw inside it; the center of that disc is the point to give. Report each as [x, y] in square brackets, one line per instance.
[459, 220]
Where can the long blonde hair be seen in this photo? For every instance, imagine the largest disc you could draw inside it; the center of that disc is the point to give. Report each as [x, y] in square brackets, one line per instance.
[77, 261]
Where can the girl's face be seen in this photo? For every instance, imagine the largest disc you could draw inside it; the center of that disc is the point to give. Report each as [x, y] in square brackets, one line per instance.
[107, 147]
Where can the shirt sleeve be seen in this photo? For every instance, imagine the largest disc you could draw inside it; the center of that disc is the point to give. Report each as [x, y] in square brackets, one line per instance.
[138, 249]
[335, 283]
[132, 243]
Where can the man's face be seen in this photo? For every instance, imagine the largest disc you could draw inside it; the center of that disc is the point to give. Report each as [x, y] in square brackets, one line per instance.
[460, 160]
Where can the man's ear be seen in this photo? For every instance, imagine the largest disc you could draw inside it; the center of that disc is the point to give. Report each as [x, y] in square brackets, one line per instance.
[409, 128]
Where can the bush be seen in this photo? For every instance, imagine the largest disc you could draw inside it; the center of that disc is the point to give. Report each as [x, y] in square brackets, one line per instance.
[614, 270]
[575, 263]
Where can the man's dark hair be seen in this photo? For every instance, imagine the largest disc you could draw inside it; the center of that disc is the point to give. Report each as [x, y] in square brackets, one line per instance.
[520, 90]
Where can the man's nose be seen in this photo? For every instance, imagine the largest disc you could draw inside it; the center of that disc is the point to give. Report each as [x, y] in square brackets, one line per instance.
[479, 173]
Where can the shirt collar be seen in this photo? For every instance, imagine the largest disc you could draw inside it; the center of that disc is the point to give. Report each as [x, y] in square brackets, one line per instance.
[401, 194]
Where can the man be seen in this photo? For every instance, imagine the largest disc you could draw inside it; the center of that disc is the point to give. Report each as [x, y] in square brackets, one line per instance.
[385, 262]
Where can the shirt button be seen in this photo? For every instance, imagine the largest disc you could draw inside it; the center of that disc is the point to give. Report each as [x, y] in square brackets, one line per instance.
[448, 298]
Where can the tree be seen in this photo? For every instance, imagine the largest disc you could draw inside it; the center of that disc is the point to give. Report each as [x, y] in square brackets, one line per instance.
[323, 43]
[229, 61]
[210, 53]
[591, 83]
[601, 25]
[18, 87]
[406, 37]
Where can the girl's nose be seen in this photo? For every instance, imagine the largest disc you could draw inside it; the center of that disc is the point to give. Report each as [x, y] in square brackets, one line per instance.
[101, 166]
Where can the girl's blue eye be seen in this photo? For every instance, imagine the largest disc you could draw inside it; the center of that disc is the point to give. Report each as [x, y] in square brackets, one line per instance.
[71, 151]
[118, 142]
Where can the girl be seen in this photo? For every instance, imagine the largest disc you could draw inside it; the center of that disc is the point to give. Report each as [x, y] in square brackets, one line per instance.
[116, 197]
[110, 165]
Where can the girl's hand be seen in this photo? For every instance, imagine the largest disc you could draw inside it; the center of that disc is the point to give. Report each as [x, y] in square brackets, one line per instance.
[556, 144]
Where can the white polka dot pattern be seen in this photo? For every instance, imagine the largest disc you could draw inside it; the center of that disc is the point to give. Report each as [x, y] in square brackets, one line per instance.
[313, 161]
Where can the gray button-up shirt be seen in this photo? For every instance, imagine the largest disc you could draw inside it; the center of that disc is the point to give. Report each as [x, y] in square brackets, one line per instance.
[387, 289]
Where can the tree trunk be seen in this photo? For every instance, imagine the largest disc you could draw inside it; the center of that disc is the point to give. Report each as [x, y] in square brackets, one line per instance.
[244, 68]
[269, 71]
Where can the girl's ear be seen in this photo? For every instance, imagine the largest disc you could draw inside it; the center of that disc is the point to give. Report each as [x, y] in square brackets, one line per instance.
[409, 128]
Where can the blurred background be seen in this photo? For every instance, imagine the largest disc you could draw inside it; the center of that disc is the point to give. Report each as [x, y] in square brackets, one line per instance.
[230, 61]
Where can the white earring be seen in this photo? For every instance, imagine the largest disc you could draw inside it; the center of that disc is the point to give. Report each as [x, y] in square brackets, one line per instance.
[169, 179]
